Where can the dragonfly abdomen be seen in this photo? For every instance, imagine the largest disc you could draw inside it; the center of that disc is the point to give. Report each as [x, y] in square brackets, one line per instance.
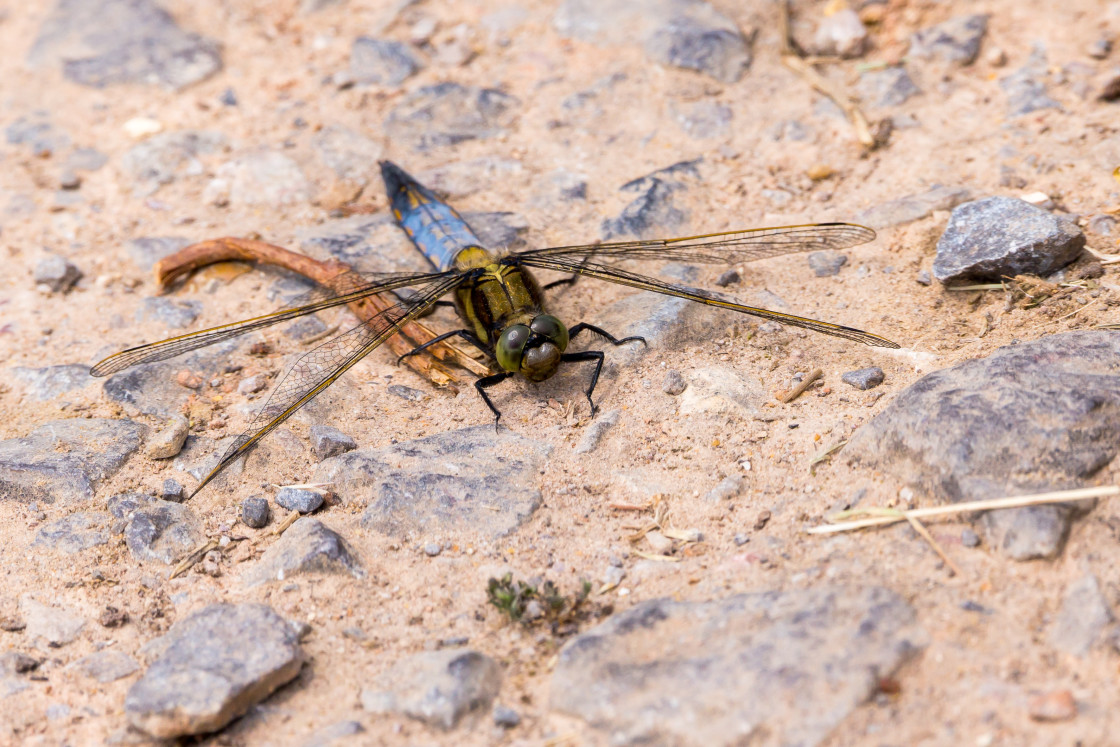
[436, 228]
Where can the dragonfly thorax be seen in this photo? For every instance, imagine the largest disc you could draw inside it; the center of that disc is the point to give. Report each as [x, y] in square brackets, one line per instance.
[533, 349]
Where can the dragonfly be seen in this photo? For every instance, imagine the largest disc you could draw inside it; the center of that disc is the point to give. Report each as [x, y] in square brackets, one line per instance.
[498, 299]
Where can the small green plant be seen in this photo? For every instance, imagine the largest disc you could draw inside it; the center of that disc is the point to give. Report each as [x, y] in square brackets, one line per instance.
[526, 603]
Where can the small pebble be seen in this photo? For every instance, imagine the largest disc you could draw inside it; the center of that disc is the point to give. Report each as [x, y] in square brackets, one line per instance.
[864, 378]
[506, 717]
[433, 549]
[327, 442]
[730, 277]
[741, 539]
[406, 392]
[1056, 705]
[924, 277]
[826, 263]
[1100, 49]
[228, 98]
[172, 491]
[139, 128]
[970, 538]
[674, 383]
[614, 575]
[69, 180]
[299, 499]
[820, 172]
[168, 442]
[252, 384]
[255, 512]
[57, 274]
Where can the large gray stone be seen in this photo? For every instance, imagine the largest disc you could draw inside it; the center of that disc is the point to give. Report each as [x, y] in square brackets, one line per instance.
[438, 688]
[79, 531]
[212, 667]
[956, 40]
[106, 42]
[163, 531]
[467, 482]
[52, 381]
[308, 546]
[776, 667]
[65, 460]
[449, 113]
[1000, 237]
[1034, 417]
[653, 213]
[1026, 87]
[689, 34]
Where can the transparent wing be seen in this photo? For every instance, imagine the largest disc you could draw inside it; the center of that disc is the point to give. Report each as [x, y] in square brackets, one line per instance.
[622, 277]
[322, 366]
[350, 286]
[726, 247]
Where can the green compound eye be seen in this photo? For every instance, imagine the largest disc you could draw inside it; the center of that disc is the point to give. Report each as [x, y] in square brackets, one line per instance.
[552, 329]
[511, 344]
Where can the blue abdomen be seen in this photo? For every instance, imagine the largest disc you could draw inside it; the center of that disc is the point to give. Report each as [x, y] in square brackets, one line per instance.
[437, 230]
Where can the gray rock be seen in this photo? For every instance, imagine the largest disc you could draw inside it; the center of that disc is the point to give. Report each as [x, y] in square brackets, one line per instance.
[467, 482]
[956, 40]
[501, 230]
[840, 34]
[450, 113]
[596, 431]
[255, 512]
[308, 546]
[969, 538]
[1083, 617]
[172, 491]
[1003, 237]
[15, 662]
[438, 688]
[86, 159]
[106, 666]
[122, 505]
[53, 381]
[1033, 417]
[718, 391]
[152, 388]
[913, 207]
[174, 314]
[265, 178]
[781, 667]
[351, 155]
[506, 717]
[728, 488]
[65, 459]
[433, 549]
[888, 87]
[1025, 88]
[39, 133]
[381, 61]
[163, 158]
[328, 735]
[674, 383]
[688, 34]
[145, 252]
[653, 213]
[78, 531]
[826, 263]
[705, 119]
[327, 442]
[163, 531]
[299, 499]
[212, 667]
[57, 274]
[107, 42]
[169, 440]
[864, 378]
[55, 626]
[728, 277]
[252, 384]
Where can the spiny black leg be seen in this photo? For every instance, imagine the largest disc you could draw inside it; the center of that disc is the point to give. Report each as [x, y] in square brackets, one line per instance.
[464, 333]
[588, 355]
[488, 381]
[602, 333]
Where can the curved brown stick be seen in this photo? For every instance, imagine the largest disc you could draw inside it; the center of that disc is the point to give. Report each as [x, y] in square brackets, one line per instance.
[196, 256]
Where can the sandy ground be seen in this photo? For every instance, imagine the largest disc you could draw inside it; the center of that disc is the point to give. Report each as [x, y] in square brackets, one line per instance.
[970, 686]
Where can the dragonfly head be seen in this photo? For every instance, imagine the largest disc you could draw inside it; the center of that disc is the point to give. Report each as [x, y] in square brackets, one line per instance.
[533, 350]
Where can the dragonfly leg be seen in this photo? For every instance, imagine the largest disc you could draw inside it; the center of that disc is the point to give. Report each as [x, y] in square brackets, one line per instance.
[588, 355]
[464, 333]
[602, 333]
[488, 381]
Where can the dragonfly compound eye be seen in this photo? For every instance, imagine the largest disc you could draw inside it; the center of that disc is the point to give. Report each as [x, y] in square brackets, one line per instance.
[511, 344]
[552, 329]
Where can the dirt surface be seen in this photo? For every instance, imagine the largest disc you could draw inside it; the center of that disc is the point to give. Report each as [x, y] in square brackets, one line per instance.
[971, 685]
